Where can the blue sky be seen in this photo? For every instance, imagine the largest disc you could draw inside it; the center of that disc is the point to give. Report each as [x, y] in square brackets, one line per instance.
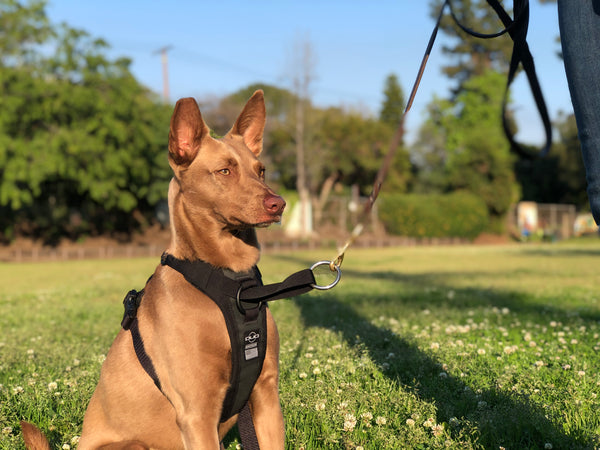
[221, 46]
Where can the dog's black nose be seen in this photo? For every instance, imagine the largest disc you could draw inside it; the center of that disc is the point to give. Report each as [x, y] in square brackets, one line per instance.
[274, 204]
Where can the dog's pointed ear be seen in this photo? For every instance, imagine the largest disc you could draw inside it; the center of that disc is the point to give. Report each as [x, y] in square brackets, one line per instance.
[251, 122]
[187, 131]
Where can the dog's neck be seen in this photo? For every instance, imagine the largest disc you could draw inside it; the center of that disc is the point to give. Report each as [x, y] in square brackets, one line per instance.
[199, 236]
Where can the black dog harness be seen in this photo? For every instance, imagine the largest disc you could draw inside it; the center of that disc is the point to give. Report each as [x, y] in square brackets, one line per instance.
[241, 297]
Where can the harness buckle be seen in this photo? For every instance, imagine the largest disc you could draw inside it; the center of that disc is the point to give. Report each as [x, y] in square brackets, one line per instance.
[131, 304]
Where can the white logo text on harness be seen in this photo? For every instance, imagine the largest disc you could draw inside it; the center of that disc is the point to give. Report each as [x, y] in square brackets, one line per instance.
[251, 345]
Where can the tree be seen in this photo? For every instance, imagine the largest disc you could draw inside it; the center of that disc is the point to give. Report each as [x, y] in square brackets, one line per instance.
[303, 76]
[472, 151]
[394, 103]
[82, 143]
[23, 28]
[559, 177]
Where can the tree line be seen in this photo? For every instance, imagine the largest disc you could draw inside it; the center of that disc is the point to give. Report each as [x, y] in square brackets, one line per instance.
[83, 143]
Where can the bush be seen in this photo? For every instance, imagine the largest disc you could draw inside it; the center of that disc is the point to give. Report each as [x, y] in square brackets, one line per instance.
[459, 214]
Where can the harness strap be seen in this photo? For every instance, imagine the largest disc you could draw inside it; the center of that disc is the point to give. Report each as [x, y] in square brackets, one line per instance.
[130, 322]
[205, 276]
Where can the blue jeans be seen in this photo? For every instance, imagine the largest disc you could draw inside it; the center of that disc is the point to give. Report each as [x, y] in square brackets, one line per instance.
[579, 22]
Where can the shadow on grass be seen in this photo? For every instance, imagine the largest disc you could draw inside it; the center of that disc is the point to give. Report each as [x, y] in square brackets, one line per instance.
[504, 419]
[509, 421]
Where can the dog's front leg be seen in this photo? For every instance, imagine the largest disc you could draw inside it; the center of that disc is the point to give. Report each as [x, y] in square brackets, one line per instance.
[267, 416]
[198, 434]
[198, 413]
[193, 364]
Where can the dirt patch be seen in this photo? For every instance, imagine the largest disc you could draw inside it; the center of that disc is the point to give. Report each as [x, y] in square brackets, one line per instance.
[492, 239]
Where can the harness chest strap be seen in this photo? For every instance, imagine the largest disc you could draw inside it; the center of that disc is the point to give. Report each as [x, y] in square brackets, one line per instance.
[241, 297]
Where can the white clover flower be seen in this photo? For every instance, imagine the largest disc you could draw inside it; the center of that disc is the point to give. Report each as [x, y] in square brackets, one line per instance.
[581, 373]
[380, 420]
[52, 386]
[316, 371]
[429, 423]
[437, 430]
[434, 346]
[510, 349]
[66, 447]
[410, 422]
[18, 390]
[349, 422]
[75, 440]
[481, 351]
[302, 375]
[548, 446]
[7, 430]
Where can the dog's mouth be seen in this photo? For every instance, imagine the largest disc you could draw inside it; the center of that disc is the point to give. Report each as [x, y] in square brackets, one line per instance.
[236, 224]
[275, 219]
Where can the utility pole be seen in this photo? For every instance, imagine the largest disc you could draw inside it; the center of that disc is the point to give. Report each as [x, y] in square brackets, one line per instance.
[165, 69]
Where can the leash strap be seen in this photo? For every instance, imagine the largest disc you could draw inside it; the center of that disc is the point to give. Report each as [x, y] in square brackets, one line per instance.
[517, 29]
[246, 429]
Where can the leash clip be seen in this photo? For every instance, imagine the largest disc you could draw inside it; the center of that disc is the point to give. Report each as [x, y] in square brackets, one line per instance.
[333, 267]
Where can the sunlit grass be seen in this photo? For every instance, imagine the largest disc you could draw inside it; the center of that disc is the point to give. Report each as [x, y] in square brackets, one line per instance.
[435, 347]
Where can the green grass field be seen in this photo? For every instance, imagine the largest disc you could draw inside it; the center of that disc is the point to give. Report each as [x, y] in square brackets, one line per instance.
[434, 347]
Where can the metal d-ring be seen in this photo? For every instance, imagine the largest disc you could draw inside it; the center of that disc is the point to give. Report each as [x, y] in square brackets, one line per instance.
[239, 304]
[337, 277]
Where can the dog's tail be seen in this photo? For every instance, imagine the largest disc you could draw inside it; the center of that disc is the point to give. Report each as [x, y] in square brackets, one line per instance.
[34, 438]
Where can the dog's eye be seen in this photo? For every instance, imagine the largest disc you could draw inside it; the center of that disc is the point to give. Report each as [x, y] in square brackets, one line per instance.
[261, 173]
[224, 171]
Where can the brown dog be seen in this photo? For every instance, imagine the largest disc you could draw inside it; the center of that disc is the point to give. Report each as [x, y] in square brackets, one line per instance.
[216, 198]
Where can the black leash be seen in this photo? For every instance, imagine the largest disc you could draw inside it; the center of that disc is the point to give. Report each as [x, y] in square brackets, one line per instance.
[517, 30]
